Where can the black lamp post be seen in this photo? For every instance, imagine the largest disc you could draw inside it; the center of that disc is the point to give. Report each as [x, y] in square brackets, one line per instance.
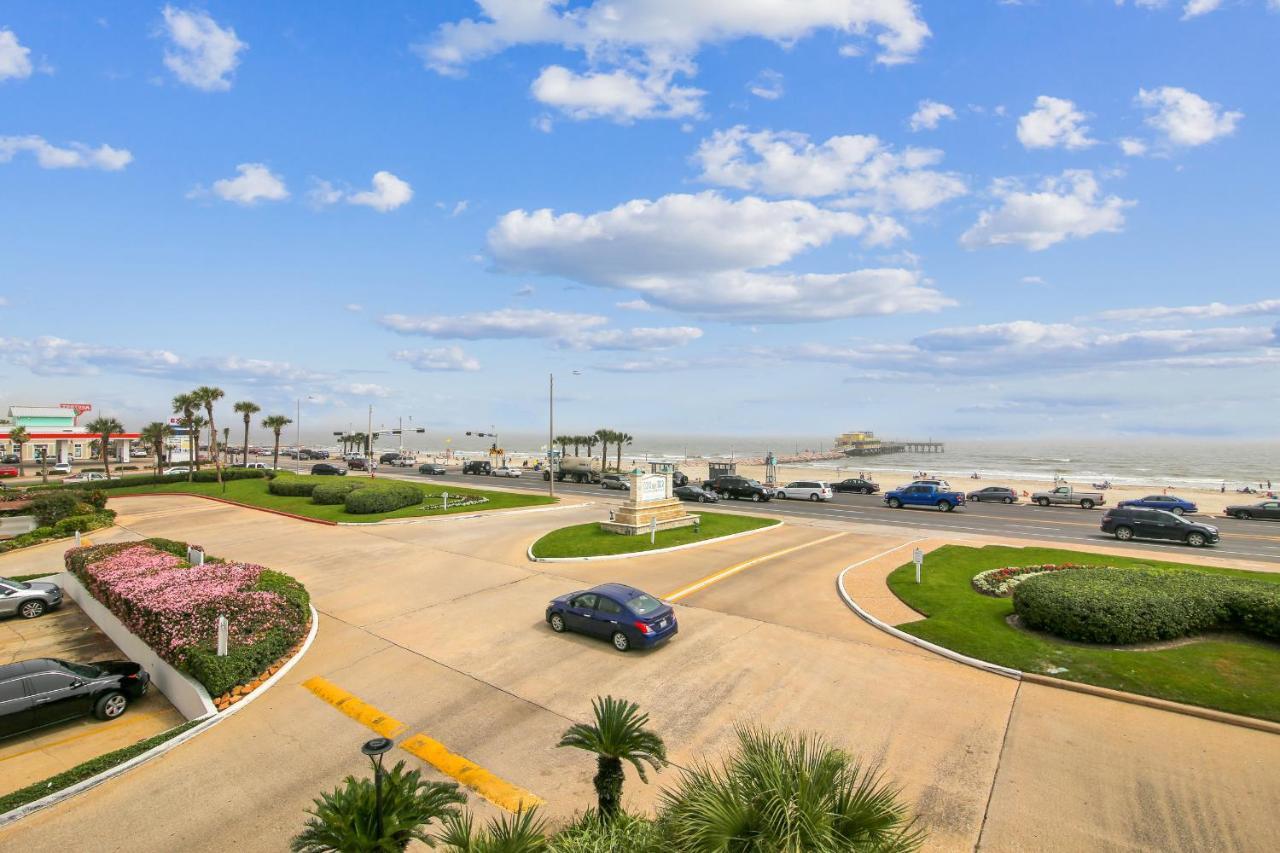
[375, 749]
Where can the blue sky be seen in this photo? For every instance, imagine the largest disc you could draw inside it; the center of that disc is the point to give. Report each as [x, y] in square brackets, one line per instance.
[1036, 218]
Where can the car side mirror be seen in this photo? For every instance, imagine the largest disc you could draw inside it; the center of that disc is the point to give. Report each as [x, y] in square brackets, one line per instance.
[77, 683]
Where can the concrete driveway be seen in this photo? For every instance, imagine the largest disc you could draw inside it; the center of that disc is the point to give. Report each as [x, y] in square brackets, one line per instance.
[438, 626]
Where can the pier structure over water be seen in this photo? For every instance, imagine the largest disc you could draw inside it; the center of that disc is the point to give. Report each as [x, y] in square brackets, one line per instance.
[865, 443]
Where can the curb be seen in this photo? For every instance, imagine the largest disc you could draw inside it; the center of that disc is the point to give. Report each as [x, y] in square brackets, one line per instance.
[628, 556]
[225, 501]
[71, 538]
[1045, 680]
[492, 513]
[205, 724]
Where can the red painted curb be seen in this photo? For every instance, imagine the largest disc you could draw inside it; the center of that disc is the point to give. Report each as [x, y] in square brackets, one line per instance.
[225, 501]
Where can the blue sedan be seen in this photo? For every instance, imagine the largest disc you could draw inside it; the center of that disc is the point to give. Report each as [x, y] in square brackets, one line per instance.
[1173, 504]
[622, 614]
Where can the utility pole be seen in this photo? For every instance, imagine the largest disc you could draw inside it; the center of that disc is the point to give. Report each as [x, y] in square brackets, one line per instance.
[551, 434]
[297, 437]
[370, 442]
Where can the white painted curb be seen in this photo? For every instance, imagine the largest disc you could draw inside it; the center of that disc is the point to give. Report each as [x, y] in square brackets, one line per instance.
[908, 638]
[160, 749]
[628, 556]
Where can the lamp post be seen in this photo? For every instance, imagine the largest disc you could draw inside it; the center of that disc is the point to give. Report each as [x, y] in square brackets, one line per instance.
[297, 434]
[551, 432]
[375, 749]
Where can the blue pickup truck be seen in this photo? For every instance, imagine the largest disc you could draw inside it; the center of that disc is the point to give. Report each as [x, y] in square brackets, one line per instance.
[920, 494]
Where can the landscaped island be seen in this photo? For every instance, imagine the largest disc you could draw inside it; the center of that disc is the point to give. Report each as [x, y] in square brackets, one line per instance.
[1195, 634]
[588, 540]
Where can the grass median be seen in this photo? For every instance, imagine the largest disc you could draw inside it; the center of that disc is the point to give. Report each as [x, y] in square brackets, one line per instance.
[1228, 672]
[588, 540]
[255, 493]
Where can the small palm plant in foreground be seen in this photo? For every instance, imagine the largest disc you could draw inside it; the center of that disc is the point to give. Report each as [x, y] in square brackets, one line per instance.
[346, 819]
[521, 832]
[618, 734]
[786, 792]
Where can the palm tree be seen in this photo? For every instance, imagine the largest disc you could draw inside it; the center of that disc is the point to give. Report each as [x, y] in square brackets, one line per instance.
[19, 436]
[622, 438]
[248, 409]
[185, 406]
[226, 442]
[604, 436]
[105, 427]
[207, 395]
[347, 820]
[617, 734]
[154, 435]
[521, 832]
[786, 792]
[198, 423]
[275, 423]
[590, 441]
[576, 441]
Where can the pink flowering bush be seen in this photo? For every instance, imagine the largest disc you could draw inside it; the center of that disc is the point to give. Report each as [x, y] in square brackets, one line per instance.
[174, 606]
[1001, 582]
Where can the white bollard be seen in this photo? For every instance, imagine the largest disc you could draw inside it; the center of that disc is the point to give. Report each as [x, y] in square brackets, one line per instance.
[445, 495]
[223, 627]
[917, 556]
[653, 530]
[77, 538]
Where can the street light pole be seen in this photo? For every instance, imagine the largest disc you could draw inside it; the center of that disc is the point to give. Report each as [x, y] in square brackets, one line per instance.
[370, 441]
[551, 434]
[297, 438]
[375, 749]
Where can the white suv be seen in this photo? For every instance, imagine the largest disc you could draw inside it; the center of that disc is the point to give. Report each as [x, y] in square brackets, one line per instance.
[813, 490]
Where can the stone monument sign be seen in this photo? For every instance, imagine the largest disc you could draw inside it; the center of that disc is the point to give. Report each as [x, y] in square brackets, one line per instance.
[648, 500]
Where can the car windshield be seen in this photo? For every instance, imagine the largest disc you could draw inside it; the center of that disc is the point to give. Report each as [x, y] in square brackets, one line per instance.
[15, 584]
[643, 604]
[753, 482]
[80, 669]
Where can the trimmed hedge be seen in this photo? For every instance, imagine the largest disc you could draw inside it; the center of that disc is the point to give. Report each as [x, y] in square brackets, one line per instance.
[61, 529]
[52, 507]
[337, 491]
[386, 496]
[1124, 606]
[294, 486]
[206, 476]
[241, 664]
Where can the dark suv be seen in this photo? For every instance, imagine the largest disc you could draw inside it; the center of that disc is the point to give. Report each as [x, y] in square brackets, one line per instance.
[477, 467]
[1127, 523]
[40, 692]
[738, 488]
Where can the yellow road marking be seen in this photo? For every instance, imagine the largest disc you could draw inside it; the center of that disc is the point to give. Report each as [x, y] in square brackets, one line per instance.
[356, 709]
[92, 730]
[746, 564]
[497, 791]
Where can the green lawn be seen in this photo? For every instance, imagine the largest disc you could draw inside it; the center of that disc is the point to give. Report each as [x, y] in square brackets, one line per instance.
[588, 540]
[254, 493]
[1240, 676]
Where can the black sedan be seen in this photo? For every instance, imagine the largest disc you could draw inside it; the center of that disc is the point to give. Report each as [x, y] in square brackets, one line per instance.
[44, 691]
[694, 493]
[1262, 509]
[856, 484]
[1000, 494]
[432, 468]
[622, 614]
[1133, 523]
[325, 469]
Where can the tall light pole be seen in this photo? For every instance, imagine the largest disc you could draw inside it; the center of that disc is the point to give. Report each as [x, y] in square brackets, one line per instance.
[370, 441]
[551, 435]
[297, 434]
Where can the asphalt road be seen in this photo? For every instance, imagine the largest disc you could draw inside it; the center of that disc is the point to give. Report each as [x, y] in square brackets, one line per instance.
[1254, 540]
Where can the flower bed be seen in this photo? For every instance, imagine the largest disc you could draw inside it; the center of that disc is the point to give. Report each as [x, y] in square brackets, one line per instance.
[174, 606]
[1000, 583]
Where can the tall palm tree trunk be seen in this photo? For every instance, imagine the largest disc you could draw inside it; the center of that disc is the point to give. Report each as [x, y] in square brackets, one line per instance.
[245, 461]
[608, 781]
[106, 454]
[275, 454]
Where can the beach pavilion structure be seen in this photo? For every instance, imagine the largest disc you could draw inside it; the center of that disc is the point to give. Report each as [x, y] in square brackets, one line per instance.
[55, 433]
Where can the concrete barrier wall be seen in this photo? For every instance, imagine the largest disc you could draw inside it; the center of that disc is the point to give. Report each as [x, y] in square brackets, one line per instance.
[16, 525]
[186, 694]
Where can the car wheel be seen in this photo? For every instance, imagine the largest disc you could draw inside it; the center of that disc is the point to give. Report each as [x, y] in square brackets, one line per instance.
[1043, 501]
[864, 491]
[894, 503]
[1124, 534]
[704, 499]
[557, 623]
[32, 609]
[110, 706]
[620, 641]
[755, 497]
[813, 497]
[1177, 510]
[945, 506]
[1086, 504]
[1243, 515]
[782, 495]
[1195, 538]
[1008, 500]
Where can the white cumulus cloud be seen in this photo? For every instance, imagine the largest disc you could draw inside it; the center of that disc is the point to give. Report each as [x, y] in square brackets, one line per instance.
[1215, 310]
[618, 95]
[388, 193]
[1052, 123]
[564, 329]
[437, 359]
[15, 60]
[74, 156]
[255, 183]
[929, 113]
[1184, 119]
[768, 85]
[201, 53]
[1067, 207]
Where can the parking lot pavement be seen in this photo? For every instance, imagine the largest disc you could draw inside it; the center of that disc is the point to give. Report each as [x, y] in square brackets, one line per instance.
[68, 634]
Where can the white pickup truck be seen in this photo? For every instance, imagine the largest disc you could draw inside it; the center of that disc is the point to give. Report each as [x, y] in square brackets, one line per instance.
[1063, 495]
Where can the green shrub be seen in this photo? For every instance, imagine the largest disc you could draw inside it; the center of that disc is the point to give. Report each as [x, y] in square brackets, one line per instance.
[210, 475]
[51, 507]
[299, 486]
[288, 587]
[84, 523]
[1125, 606]
[31, 537]
[386, 496]
[95, 498]
[240, 665]
[337, 491]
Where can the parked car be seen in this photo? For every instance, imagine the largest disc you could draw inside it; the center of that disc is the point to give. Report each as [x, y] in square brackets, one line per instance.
[178, 469]
[1064, 495]
[10, 459]
[856, 484]
[90, 477]
[694, 493]
[139, 454]
[477, 466]
[258, 466]
[1002, 494]
[805, 490]
[432, 468]
[941, 484]
[28, 599]
[505, 471]
[8, 470]
[404, 461]
[1264, 509]
[60, 468]
[324, 469]
[622, 614]
[1134, 523]
[358, 463]
[920, 494]
[1172, 503]
[319, 454]
[388, 457]
[615, 481]
[41, 692]
[738, 488]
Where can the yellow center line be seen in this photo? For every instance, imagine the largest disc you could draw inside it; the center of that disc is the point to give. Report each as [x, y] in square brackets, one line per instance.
[355, 708]
[497, 791]
[746, 564]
